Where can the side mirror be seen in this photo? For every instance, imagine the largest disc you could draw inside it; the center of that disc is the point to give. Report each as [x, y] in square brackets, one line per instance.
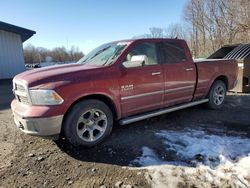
[136, 61]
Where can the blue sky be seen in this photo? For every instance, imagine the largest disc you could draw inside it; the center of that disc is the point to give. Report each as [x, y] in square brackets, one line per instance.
[89, 23]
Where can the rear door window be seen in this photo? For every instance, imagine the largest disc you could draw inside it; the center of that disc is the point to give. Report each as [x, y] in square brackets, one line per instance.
[172, 52]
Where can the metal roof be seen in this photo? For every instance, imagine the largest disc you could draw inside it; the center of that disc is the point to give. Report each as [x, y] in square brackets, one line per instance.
[240, 52]
[25, 33]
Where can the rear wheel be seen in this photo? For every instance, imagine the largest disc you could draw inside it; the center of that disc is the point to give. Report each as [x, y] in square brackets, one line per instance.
[217, 94]
[88, 123]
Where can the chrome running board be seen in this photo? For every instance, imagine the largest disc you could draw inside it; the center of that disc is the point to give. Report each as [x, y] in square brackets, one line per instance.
[159, 112]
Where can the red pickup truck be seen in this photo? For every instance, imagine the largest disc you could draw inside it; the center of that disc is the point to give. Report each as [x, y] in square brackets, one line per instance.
[123, 81]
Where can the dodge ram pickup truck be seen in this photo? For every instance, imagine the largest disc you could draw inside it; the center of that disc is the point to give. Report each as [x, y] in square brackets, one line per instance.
[123, 81]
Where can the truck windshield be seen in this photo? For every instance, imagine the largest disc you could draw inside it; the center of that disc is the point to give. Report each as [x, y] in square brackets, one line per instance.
[104, 55]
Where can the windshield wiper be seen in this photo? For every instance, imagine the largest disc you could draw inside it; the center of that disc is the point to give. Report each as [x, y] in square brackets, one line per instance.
[97, 53]
[116, 54]
[110, 58]
[100, 51]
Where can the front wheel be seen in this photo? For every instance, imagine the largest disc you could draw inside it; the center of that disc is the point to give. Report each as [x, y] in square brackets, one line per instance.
[88, 123]
[217, 94]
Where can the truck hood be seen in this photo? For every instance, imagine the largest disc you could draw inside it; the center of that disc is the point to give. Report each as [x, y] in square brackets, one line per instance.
[55, 73]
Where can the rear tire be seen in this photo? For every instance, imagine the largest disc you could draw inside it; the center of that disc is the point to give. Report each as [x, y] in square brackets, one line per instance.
[88, 123]
[217, 94]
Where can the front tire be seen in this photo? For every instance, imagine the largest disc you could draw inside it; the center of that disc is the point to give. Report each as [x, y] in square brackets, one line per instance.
[217, 94]
[88, 123]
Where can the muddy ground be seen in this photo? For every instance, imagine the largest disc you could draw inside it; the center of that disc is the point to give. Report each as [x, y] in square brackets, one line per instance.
[27, 161]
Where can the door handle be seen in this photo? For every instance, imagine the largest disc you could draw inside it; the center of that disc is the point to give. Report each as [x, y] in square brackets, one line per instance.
[155, 73]
[189, 69]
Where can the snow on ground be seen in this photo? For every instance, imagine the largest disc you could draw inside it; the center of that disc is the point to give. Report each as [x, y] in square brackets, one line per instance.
[198, 146]
[202, 159]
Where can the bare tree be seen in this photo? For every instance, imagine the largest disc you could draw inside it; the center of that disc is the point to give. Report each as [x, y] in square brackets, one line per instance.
[154, 32]
[215, 23]
[31, 55]
[176, 31]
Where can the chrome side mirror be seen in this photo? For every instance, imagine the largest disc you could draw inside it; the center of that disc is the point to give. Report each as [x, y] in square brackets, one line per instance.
[136, 61]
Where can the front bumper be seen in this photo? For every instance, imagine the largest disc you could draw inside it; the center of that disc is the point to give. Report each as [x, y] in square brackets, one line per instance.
[37, 120]
[46, 127]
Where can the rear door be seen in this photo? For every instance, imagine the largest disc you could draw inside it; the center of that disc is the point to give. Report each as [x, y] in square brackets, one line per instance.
[179, 73]
[142, 88]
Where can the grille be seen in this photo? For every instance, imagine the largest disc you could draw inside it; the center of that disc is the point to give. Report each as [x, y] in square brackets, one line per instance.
[23, 100]
[21, 93]
[20, 87]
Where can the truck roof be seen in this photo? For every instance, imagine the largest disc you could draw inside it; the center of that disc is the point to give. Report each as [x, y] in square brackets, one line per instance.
[150, 39]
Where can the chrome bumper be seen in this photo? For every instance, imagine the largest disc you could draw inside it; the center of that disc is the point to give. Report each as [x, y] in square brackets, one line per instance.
[46, 127]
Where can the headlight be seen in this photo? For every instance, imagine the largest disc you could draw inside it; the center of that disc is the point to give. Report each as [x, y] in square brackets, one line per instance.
[45, 97]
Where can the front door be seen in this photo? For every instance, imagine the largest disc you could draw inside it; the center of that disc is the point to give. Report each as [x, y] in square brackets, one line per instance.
[142, 87]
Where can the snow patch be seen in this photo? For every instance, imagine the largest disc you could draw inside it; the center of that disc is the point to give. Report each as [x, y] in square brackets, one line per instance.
[220, 160]
[148, 158]
[226, 174]
[195, 146]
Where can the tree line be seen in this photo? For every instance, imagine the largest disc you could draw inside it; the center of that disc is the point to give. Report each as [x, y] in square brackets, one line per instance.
[34, 54]
[209, 24]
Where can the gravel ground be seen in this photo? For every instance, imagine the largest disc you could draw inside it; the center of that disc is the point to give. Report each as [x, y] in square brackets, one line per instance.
[27, 161]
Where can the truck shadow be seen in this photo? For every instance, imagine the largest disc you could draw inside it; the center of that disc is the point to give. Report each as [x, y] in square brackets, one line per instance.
[160, 140]
[122, 146]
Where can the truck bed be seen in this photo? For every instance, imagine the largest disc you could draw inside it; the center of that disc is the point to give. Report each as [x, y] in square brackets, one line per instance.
[207, 71]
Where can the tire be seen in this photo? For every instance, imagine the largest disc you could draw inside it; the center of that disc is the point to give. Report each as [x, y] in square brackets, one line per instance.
[88, 123]
[217, 94]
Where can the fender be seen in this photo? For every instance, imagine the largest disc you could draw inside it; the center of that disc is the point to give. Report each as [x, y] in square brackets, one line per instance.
[75, 98]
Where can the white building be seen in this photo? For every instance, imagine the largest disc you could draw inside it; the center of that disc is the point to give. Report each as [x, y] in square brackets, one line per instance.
[11, 49]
